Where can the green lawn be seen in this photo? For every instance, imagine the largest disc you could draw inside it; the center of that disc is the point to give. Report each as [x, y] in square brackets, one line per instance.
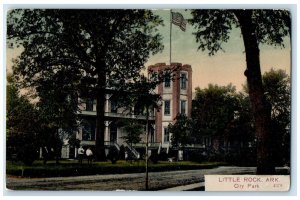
[73, 168]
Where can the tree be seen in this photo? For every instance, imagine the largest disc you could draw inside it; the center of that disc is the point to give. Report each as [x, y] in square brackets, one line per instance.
[133, 130]
[181, 131]
[241, 129]
[223, 115]
[257, 27]
[20, 112]
[213, 110]
[21, 123]
[217, 115]
[278, 94]
[58, 108]
[141, 97]
[96, 49]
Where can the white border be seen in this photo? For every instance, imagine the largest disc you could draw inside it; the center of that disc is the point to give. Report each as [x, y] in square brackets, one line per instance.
[159, 4]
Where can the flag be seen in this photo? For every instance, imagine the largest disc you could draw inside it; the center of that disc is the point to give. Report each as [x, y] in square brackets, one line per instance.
[178, 20]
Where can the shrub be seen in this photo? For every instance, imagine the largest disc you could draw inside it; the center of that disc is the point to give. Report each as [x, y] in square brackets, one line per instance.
[196, 155]
[28, 155]
[154, 157]
[113, 155]
[122, 152]
[23, 147]
[243, 157]
[163, 156]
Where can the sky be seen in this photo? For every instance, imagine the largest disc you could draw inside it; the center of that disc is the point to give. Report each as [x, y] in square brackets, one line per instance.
[222, 68]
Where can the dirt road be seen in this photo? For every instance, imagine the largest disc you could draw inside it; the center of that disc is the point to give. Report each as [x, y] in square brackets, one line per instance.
[157, 180]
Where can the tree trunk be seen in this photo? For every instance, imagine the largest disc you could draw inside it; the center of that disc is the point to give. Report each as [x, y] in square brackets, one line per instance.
[100, 127]
[57, 153]
[260, 107]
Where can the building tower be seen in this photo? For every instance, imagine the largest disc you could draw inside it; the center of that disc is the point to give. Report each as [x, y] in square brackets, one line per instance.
[176, 94]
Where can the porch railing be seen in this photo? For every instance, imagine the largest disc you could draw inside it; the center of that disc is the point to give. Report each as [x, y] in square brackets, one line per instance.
[133, 150]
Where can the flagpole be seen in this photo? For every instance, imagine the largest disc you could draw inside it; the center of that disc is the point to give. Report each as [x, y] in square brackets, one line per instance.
[170, 36]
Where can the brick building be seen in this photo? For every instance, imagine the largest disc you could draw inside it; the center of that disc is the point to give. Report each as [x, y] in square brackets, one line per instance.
[176, 94]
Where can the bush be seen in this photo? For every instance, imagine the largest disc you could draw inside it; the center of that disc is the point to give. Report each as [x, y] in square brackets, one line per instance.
[244, 157]
[196, 155]
[113, 155]
[122, 153]
[27, 155]
[23, 147]
[163, 156]
[154, 157]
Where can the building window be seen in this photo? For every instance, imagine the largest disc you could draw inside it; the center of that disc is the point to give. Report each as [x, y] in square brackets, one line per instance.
[152, 76]
[151, 112]
[113, 106]
[88, 130]
[89, 103]
[152, 140]
[183, 81]
[113, 132]
[166, 135]
[167, 81]
[183, 107]
[138, 110]
[167, 107]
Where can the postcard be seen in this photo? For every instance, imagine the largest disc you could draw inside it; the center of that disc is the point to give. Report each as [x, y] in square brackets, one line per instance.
[148, 99]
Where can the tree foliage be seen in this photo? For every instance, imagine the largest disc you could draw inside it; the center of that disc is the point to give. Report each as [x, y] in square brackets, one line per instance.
[133, 131]
[242, 126]
[181, 131]
[278, 93]
[20, 113]
[86, 51]
[58, 102]
[223, 117]
[60, 42]
[214, 27]
[257, 27]
[21, 125]
[213, 109]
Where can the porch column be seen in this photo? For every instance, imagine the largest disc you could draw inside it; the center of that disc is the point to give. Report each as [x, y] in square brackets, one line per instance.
[75, 152]
[41, 152]
[106, 132]
[107, 97]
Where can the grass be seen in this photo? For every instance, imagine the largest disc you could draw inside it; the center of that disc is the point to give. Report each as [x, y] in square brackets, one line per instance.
[73, 168]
